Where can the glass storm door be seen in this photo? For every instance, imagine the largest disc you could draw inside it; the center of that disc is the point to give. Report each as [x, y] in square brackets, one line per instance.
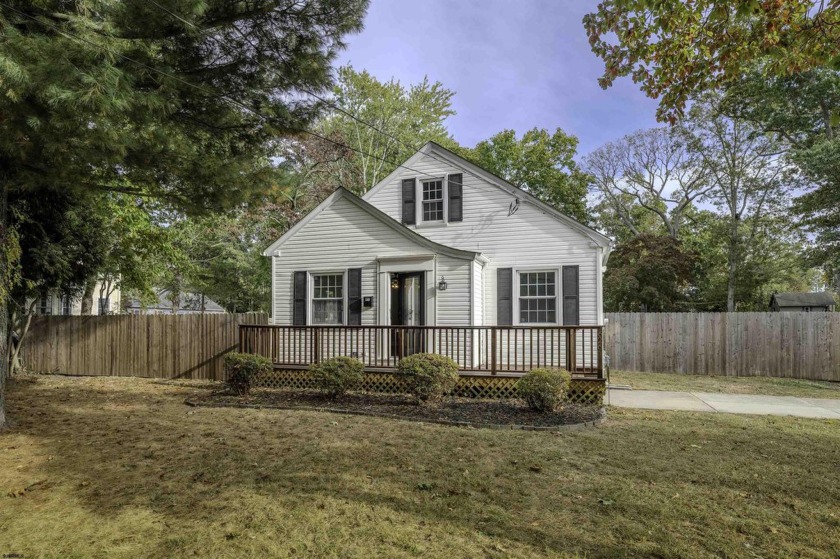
[407, 309]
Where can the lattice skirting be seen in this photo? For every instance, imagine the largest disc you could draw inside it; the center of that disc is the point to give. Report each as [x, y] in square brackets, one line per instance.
[582, 391]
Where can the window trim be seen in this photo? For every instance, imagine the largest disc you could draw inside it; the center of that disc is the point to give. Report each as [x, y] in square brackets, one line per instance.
[310, 293]
[418, 202]
[558, 308]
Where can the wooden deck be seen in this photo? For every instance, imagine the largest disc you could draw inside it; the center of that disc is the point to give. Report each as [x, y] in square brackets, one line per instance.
[478, 350]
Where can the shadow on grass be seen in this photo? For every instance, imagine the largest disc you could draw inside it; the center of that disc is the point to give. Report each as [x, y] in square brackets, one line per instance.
[651, 483]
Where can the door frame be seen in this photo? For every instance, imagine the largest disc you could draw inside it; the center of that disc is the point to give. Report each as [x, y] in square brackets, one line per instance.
[406, 264]
[401, 295]
[388, 265]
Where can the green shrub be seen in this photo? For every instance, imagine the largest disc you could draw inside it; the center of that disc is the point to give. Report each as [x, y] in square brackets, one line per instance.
[430, 376]
[544, 389]
[337, 375]
[242, 368]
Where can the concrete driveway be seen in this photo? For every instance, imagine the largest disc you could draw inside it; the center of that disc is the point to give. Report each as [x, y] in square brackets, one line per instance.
[725, 403]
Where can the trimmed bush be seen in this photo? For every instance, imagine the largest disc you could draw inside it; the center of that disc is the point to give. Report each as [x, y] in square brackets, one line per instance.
[337, 375]
[242, 368]
[430, 376]
[544, 389]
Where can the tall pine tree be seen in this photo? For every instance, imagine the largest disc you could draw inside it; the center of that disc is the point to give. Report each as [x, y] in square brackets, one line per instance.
[182, 101]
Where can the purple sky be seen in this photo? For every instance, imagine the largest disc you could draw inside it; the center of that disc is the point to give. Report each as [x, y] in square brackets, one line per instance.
[512, 64]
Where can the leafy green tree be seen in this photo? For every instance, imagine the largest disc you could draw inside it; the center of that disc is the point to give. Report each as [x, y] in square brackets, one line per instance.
[178, 101]
[803, 111]
[539, 162]
[677, 49]
[224, 261]
[747, 174]
[60, 244]
[390, 122]
[771, 261]
[650, 273]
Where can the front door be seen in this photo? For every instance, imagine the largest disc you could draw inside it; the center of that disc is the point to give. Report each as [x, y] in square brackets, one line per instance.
[408, 308]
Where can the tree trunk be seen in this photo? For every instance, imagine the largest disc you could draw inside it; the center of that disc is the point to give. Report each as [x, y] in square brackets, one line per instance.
[734, 246]
[5, 296]
[87, 298]
[4, 340]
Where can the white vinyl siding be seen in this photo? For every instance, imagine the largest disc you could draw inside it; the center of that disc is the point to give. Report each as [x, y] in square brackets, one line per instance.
[478, 294]
[528, 239]
[344, 236]
[453, 305]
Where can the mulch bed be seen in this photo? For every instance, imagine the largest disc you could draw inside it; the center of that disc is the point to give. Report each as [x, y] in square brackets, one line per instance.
[503, 414]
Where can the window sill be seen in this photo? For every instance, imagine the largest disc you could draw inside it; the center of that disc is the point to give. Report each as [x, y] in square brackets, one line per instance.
[431, 224]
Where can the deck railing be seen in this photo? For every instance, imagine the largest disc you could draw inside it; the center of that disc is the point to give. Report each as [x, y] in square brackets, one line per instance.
[476, 349]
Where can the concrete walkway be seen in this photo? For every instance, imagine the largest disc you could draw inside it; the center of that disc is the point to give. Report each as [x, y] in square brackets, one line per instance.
[726, 403]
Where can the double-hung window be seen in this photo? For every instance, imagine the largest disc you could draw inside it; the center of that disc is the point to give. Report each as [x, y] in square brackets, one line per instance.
[537, 298]
[432, 200]
[45, 305]
[328, 299]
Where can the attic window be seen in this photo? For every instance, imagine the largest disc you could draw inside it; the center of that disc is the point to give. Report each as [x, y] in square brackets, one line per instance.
[433, 200]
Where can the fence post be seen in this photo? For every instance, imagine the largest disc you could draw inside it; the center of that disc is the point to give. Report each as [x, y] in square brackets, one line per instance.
[493, 350]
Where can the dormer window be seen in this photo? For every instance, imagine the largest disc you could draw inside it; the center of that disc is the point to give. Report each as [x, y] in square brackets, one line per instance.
[433, 200]
[436, 200]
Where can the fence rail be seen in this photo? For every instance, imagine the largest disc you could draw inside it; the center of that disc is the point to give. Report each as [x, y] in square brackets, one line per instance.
[476, 349]
[784, 344]
[157, 346]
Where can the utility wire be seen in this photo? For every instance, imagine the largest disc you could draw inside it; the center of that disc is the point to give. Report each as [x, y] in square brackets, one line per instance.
[200, 88]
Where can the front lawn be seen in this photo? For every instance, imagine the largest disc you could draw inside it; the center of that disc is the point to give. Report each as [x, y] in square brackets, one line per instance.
[732, 385]
[122, 468]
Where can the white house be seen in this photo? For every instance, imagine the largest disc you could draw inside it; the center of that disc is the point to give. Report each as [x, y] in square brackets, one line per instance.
[106, 300]
[190, 303]
[438, 243]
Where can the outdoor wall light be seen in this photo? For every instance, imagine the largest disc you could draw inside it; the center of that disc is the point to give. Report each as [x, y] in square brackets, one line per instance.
[442, 284]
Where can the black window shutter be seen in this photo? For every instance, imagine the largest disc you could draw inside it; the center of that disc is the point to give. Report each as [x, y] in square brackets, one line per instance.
[408, 201]
[456, 197]
[571, 306]
[299, 296]
[504, 293]
[354, 297]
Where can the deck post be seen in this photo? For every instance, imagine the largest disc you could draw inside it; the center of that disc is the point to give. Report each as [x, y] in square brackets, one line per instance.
[493, 350]
[315, 345]
[568, 350]
[600, 350]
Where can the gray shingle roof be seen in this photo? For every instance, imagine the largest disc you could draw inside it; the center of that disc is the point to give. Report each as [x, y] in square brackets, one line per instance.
[819, 299]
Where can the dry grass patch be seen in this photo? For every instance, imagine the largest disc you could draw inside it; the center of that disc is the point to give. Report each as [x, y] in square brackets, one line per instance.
[733, 385]
[127, 470]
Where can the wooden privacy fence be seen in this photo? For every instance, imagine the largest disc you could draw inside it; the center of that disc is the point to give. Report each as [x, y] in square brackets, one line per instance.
[157, 346]
[784, 344]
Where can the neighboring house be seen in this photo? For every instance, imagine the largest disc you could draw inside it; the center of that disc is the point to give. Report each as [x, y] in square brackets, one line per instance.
[439, 242]
[191, 303]
[54, 303]
[802, 302]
